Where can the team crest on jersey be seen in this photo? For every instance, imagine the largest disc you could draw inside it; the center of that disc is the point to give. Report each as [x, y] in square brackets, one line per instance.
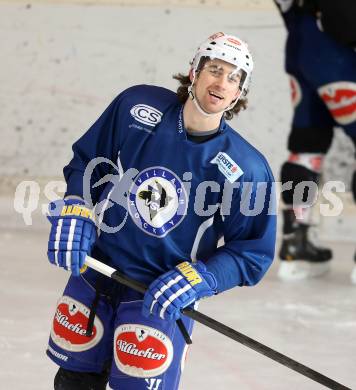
[340, 98]
[142, 351]
[70, 324]
[157, 201]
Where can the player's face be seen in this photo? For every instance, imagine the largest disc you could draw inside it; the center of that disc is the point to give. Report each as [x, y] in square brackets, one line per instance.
[217, 85]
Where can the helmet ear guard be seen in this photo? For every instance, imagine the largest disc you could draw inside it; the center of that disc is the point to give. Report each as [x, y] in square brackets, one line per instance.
[191, 75]
[244, 83]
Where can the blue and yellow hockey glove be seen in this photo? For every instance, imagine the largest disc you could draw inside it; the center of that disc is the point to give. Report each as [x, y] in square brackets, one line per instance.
[176, 289]
[72, 234]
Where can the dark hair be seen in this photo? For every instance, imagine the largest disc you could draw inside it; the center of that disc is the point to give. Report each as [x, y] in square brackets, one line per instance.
[183, 95]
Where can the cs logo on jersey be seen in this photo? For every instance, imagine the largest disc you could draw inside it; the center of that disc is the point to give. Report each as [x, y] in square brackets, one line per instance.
[146, 114]
[157, 201]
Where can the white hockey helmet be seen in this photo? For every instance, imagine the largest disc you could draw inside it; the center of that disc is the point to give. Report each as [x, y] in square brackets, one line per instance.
[227, 48]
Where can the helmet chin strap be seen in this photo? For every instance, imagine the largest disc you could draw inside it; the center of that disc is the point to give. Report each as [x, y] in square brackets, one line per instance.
[199, 107]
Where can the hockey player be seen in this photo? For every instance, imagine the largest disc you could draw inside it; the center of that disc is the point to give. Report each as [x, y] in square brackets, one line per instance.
[321, 63]
[168, 178]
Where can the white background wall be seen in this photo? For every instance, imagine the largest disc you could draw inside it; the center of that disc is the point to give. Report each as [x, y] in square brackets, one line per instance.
[62, 62]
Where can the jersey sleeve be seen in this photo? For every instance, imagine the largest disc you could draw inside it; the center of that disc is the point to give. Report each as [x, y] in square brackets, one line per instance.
[249, 233]
[101, 140]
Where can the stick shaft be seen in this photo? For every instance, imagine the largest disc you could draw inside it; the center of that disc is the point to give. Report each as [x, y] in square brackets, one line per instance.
[264, 350]
[135, 285]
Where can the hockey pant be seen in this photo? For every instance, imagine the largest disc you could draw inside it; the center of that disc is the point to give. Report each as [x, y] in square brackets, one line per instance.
[141, 353]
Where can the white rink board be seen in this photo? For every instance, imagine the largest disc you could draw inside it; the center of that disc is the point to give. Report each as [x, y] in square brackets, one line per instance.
[230, 4]
[63, 63]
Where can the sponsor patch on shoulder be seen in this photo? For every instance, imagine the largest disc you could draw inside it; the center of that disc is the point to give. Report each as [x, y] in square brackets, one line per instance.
[146, 114]
[227, 166]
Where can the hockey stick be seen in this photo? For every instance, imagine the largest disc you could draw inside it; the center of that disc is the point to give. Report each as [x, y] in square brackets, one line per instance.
[223, 329]
[134, 284]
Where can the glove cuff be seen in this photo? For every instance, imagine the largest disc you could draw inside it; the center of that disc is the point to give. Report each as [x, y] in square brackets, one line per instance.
[70, 208]
[196, 273]
[208, 276]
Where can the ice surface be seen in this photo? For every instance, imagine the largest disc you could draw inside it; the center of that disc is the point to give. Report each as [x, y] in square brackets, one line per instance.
[313, 322]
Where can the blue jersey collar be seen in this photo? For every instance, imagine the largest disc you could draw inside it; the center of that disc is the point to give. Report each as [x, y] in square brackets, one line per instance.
[182, 132]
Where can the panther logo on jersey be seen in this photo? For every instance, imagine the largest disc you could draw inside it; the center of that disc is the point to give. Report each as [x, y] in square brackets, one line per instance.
[155, 198]
[157, 201]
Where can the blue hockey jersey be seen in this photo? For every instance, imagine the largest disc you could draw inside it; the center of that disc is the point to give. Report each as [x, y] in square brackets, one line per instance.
[162, 199]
